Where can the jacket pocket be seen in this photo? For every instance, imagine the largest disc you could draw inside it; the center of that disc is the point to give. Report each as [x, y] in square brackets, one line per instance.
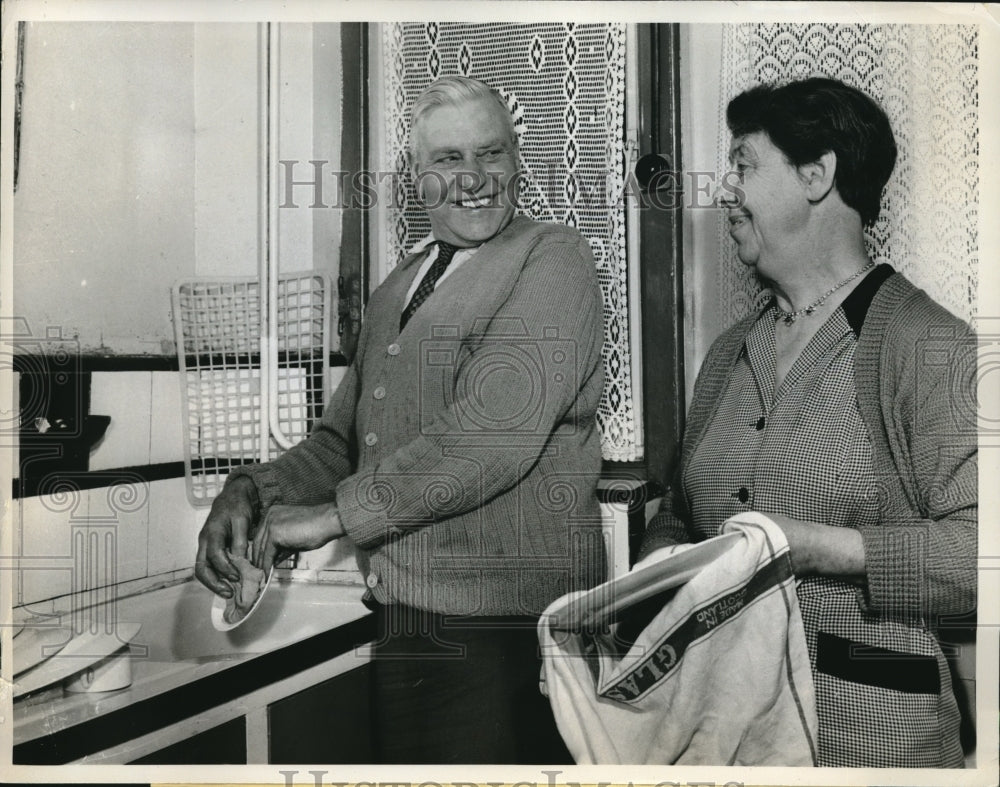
[876, 666]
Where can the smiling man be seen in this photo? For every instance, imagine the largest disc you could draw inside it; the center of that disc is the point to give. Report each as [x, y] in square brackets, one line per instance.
[465, 162]
[460, 454]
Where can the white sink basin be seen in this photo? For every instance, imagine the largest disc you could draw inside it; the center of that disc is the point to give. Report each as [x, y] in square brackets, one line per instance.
[175, 623]
[176, 643]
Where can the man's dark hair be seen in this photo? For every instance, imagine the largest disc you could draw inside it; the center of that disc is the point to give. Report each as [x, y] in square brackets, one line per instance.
[808, 118]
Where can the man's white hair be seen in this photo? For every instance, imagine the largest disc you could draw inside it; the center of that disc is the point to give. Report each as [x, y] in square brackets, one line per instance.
[454, 91]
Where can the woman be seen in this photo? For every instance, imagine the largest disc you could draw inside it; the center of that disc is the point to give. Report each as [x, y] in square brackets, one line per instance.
[844, 410]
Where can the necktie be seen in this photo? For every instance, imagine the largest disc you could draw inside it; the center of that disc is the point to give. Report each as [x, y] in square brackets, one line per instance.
[445, 252]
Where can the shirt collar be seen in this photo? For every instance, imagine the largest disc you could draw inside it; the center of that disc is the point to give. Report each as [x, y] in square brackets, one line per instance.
[856, 304]
[427, 241]
[422, 244]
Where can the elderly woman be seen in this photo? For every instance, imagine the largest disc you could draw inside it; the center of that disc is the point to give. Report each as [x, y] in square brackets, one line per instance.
[844, 410]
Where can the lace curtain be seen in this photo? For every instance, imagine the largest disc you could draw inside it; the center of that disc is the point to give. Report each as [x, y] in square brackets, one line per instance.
[565, 86]
[925, 77]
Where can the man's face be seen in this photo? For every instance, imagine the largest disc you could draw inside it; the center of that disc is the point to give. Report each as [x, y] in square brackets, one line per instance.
[464, 164]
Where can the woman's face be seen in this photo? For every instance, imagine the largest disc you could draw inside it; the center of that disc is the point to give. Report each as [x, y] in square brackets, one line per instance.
[768, 212]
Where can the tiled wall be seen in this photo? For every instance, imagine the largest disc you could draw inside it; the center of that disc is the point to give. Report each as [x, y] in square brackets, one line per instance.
[103, 536]
[115, 534]
[145, 410]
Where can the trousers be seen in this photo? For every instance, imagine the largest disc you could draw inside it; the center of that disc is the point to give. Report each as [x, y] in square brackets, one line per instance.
[462, 690]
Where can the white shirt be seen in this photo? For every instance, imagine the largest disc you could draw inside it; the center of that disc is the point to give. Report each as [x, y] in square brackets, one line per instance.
[461, 255]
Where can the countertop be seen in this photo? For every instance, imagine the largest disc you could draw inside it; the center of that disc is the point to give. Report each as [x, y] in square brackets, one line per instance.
[177, 649]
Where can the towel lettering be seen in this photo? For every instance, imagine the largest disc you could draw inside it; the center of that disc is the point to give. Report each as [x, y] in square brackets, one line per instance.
[665, 656]
[644, 676]
[723, 609]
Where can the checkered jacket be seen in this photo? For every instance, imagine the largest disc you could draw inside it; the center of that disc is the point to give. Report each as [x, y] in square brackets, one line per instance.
[873, 428]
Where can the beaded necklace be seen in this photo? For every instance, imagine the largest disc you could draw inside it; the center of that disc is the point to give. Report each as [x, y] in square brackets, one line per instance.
[790, 317]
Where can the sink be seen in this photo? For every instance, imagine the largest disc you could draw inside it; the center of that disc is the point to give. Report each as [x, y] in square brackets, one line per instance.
[175, 622]
[171, 641]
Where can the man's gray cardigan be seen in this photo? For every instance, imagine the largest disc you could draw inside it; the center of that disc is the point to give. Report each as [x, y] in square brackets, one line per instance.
[464, 452]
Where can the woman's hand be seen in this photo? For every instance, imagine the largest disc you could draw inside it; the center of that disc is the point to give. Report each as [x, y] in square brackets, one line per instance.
[289, 529]
[823, 549]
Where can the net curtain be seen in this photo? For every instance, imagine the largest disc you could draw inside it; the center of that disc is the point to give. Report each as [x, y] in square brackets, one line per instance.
[926, 78]
[565, 86]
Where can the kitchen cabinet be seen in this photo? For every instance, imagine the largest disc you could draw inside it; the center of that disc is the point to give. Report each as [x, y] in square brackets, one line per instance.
[301, 696]
[327, 723]
[222, 745]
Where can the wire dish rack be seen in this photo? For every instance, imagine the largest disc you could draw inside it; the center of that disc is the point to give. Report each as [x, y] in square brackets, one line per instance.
[226, 369]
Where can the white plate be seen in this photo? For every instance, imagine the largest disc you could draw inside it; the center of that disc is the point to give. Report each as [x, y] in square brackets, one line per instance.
[219, 608]
[38, 643]
[79, 653]
[598, 605]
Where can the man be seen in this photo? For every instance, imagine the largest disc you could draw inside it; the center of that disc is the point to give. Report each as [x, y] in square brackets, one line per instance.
[460, 453]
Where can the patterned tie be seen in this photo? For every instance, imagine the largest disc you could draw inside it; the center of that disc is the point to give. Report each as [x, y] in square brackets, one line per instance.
[445, 252]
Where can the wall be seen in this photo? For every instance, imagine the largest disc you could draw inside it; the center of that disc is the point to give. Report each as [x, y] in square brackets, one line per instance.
[295, 132]
[226, 165]
[701, 69]
[106, 183]
[139, 166]
[155, 528]
[328, 108]
[140, 143]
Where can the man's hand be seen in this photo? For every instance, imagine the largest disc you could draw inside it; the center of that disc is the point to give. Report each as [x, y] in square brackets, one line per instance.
[288, 529]
[227, 528]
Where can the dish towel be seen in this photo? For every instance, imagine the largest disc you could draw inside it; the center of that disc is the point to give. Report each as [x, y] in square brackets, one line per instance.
[720, 676]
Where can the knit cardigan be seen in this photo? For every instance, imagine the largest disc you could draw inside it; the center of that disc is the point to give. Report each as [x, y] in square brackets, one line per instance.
[915, 374]
[463, 452]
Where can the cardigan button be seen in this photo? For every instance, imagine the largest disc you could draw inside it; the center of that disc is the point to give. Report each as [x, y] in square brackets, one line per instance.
[371, 438]
[379, 393]
[393, 349]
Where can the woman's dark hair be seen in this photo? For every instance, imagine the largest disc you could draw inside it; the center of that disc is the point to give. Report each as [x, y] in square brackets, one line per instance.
[808, 118]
